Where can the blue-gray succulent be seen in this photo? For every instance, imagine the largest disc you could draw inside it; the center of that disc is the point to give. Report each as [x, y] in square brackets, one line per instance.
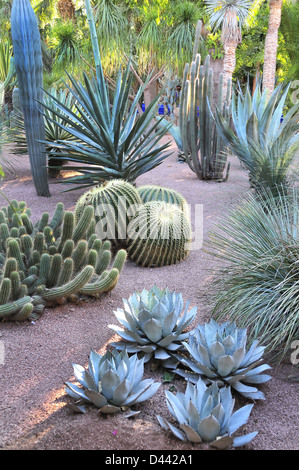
[218, 352]
[205, 414]
[154, 323]
[112, 381]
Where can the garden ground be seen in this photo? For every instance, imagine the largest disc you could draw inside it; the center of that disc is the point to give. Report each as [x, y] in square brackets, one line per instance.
[39, 355]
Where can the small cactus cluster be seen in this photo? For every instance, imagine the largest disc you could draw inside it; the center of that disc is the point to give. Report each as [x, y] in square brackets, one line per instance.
[51, 261]
[151, 222]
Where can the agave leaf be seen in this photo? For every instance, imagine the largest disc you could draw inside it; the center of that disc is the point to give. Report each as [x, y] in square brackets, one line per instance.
[110, 409]
[239, 418]
[109, 382]
[169, 323]
[191, 434]
[222, 442]
[84, 377]
[153, 330]
[128, 335]
[248, 392]
[216, 351]
[167, 340]
[121, 392]
[176, 408]
[161, 354]
[75, 391]
[208, 428]
[243, 440]
[145, 391]
[238, 356]
[225, 365]
[96, 398]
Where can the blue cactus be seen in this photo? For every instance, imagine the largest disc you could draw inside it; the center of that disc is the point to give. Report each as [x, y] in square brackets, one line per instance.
[29, 69]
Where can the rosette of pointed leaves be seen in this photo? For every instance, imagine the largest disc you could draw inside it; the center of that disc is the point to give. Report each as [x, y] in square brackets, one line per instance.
[205, 414]
[153, 323]
[111, 381]
[217, 352]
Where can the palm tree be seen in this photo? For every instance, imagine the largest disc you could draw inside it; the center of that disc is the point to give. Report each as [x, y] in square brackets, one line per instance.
[229, 15]
[271, 44]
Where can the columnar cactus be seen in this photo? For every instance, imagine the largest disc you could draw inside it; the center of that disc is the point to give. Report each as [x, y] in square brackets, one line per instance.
[114, 203]
[29, 69]
[51, 261]
[203, 147]
[159, 235]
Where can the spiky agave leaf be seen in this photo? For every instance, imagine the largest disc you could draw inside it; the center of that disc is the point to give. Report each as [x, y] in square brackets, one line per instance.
[205, 414]
[153, 322]
[111, 381]
[218, 352]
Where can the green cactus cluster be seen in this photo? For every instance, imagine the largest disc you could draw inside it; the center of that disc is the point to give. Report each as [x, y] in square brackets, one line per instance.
[52, 260]
[151, 222]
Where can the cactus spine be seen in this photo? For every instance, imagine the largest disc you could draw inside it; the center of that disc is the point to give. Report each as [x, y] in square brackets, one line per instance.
[29, 69]
[45, 270]
[203, 147]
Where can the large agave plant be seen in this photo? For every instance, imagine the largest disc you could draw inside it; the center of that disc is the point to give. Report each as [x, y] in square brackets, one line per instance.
[113, 140]
[111, 381]
[205, 414]
[154, 323]
[217, 352]
[265, 144]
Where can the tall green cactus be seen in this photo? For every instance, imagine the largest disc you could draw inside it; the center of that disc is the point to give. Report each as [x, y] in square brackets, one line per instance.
[51, 261]
[203, 147]
[29, 69]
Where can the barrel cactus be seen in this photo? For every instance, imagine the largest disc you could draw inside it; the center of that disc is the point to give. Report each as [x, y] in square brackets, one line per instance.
[159, 235]
[153, 323]
[159, 193]
[218, 352]
[114, 203]
[112, 381]
[29, 68]
[205, 414]
[51, 261]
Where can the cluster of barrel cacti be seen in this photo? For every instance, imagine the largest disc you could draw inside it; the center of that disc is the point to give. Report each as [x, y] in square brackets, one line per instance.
[152, 223]
[51, 261]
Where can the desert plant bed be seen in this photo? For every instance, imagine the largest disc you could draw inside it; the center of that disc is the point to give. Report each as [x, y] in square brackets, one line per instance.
[35, 411]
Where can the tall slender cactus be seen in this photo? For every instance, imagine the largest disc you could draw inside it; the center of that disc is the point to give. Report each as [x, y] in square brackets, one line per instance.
[29, 69]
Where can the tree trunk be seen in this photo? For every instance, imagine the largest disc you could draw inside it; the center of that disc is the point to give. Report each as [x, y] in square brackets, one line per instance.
[271, 44]
[229, 62]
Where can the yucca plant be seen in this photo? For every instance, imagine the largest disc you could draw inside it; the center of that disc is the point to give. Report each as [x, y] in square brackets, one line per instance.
[153, 323]
[205, 414]
[112, 381]
[258, 287]
[263, 142]
[113, 142]
[218, 352]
